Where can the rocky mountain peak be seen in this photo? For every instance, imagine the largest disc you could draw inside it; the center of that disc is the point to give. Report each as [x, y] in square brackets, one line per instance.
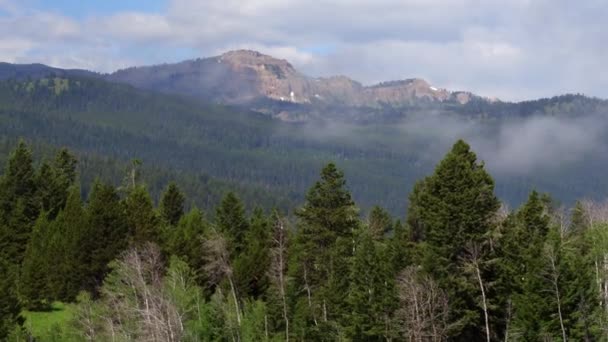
[241, 76]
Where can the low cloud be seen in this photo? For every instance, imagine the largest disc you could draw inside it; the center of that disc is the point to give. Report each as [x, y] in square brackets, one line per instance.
[514, 146]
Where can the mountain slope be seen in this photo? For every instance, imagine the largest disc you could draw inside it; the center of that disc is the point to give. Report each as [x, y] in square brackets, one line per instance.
[242, 76]
[36, 71]
[249, 150]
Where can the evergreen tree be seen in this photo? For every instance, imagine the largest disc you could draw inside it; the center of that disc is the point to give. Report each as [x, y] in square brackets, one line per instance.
[142, 220]
[319, 263]
[400, 248]
[185, 240]
[251, 266]
[172, 204]
[69, 234]
[53, 182]
[10, 306]
[34, 287]
[448, 211]
[371, 291]
[106, 235]
[232, 222]
[524, 245]
[18, 205]
[380, 223]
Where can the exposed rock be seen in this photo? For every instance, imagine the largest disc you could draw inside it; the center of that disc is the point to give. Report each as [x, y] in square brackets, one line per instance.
[242, 76]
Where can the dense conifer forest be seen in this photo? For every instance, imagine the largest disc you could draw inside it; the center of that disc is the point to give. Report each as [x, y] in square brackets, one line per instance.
[459, 266]
[208, 148]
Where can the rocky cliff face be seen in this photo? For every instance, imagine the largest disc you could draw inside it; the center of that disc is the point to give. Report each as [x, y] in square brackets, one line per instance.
[241, 76]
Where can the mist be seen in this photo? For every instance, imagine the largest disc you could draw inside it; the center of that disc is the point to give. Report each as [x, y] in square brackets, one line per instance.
[515, 146]
[510, 146]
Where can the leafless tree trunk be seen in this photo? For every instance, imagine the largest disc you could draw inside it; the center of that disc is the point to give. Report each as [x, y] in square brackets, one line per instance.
[554, 277]
[136, 306]
[509, 315]
[472, 262]
[218, 267]
[423, 307]
[278, 267]
[309, 295]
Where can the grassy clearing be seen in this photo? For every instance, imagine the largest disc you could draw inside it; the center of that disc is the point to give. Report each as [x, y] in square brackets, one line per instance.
[43, 324]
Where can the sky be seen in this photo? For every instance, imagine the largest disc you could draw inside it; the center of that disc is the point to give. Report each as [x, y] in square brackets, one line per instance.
[510, 49]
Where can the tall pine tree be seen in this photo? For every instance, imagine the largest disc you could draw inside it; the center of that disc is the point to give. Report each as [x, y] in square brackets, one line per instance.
[106, 235]
[448, 211]
[320, 259]
[172, 204]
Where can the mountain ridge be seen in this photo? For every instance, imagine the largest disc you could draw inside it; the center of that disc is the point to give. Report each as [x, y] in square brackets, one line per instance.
[240, 76]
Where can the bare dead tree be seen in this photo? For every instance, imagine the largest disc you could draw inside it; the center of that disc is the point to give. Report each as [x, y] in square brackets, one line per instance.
[136, 307]
[278, 266]
[423, 307]
[553, 276]
[596, 215]
[85, 317]
[561, 219]
[218, 267]
[472, 265]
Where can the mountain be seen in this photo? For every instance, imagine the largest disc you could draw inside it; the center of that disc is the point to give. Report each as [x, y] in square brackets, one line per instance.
[243, 76]
[214, 120]
[211, 148]
[36, 71]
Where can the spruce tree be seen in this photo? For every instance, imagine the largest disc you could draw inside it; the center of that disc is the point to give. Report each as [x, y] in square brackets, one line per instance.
[34, 288]
[172, 204]
[18, 205]
[323, 247]
[69, 235]
[185, 240]
[10, 306]
[251, 266]
[380, 223]
[448, 211]
[523, 247]
[231, 220]
[143, 222]
[106, 235]
[54, 180]
[371, 291]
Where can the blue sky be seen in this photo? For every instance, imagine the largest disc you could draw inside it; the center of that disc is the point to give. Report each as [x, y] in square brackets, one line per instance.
[510, 49]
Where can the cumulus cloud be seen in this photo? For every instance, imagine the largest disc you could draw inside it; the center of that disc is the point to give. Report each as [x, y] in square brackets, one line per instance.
[514, 50]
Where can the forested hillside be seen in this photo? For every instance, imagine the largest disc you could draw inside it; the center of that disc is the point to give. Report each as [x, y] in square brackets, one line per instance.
[460, 266]
[382, 151]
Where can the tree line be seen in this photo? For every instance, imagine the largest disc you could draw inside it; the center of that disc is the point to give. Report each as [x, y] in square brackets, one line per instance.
[460, 267]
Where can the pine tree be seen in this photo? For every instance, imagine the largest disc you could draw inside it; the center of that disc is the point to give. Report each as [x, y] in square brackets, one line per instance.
[143, 222]
[251, 266]
[172, 204]
[34, 288]
[69, 233]
[400, 248]
[322, 249]
[106, 235]
[523, 247]
[18, 206]
[449, 210]
[380, 223]
[371, 291]
[184, 241]
[232, 222]
[54, 181]
[10, 306]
